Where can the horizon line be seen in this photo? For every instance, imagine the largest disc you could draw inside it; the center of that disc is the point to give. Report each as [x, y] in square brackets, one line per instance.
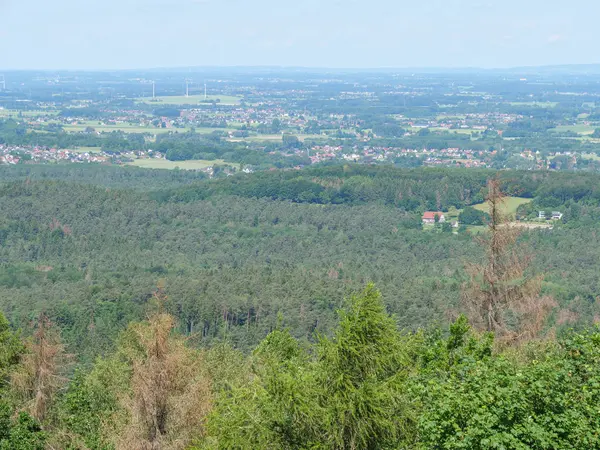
[415, 69]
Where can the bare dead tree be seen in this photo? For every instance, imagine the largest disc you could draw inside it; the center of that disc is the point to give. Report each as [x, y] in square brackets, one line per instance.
[37, 379]
[500, 296]
[171, 393]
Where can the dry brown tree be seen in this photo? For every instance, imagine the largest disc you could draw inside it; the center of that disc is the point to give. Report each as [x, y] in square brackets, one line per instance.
[38, 377]
[170, 390]
[501, 297]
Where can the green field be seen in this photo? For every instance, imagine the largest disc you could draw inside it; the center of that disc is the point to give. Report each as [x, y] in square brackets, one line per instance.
[191, 100]
[451, 130]
[124, 127]
[85, 149]
[509, 207]
[579, 129]
[535, 104]
[590, 156]
[451, 116]
[152, 163]
[34, 113]
[277, 137]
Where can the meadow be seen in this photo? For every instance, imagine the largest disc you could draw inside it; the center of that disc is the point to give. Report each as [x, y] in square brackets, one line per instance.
[579, 129]
[85, 149]
[535, 104]
[190, 100]
[153, 163]
[124, 127]
[13, 113]
[509, 206]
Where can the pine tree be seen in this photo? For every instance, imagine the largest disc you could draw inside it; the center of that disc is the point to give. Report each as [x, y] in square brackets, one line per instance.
[361, 371]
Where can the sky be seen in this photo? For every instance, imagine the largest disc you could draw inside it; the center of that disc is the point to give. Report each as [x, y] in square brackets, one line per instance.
[129, 34]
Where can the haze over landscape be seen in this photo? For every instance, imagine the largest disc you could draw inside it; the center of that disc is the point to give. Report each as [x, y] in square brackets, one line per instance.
[127, 34]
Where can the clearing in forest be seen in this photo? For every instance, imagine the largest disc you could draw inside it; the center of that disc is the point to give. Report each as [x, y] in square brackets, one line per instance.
[510, 205]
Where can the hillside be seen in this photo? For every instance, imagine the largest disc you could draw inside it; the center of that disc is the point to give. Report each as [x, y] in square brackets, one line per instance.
[236, 253]
[241, 310]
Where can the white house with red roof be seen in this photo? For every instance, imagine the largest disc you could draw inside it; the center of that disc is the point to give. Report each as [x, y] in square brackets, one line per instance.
[429, 217]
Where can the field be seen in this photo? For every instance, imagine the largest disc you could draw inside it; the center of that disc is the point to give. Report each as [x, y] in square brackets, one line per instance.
[579, 129]
[510, 206]
[85, 150]
[152, 163]
[535, 104]
[277, 137]
[452, 131]
[191, 100]
[590, 156]
[124, 127]
[34, 113]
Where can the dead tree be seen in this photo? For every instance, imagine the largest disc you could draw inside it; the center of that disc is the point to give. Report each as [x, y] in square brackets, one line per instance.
[170, 392]
[501, 297]
[37, 379]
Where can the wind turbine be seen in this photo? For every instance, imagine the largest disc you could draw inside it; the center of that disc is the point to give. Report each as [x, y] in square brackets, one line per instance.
[3, 82]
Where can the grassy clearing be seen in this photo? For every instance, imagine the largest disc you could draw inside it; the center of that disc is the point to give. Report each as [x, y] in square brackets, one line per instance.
[152, 163]
[510, 206]
[191, 100]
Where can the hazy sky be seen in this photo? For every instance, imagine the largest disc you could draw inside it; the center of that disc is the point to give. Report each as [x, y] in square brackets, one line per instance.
[113, 34]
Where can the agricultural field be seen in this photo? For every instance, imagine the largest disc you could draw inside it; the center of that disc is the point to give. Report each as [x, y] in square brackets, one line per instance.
[276, 137]
[579, 129]
[153, 163]
[191, 100]
[85, 149]
[591, 156]
[13, 113]
[451, 131]
[124, 127]
[509, 207]
[535, 104]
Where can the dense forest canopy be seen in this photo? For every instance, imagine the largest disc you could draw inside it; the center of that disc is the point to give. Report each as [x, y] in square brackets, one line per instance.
[234, 286]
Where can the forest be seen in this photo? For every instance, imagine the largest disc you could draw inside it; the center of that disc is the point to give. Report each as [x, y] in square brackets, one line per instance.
[300, 309]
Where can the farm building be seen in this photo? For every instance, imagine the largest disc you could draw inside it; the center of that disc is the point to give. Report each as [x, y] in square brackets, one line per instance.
[429, 217]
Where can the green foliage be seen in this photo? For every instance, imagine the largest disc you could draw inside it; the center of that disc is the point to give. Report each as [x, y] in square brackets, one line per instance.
[361, 371]
[92, 401]
[472, 216]
[23, 433]
[545, 398]
[10, 350]
[348, 395]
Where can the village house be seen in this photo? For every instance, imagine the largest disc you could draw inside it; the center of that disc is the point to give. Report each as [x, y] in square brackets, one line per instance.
[429, 217]
[556, 215]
